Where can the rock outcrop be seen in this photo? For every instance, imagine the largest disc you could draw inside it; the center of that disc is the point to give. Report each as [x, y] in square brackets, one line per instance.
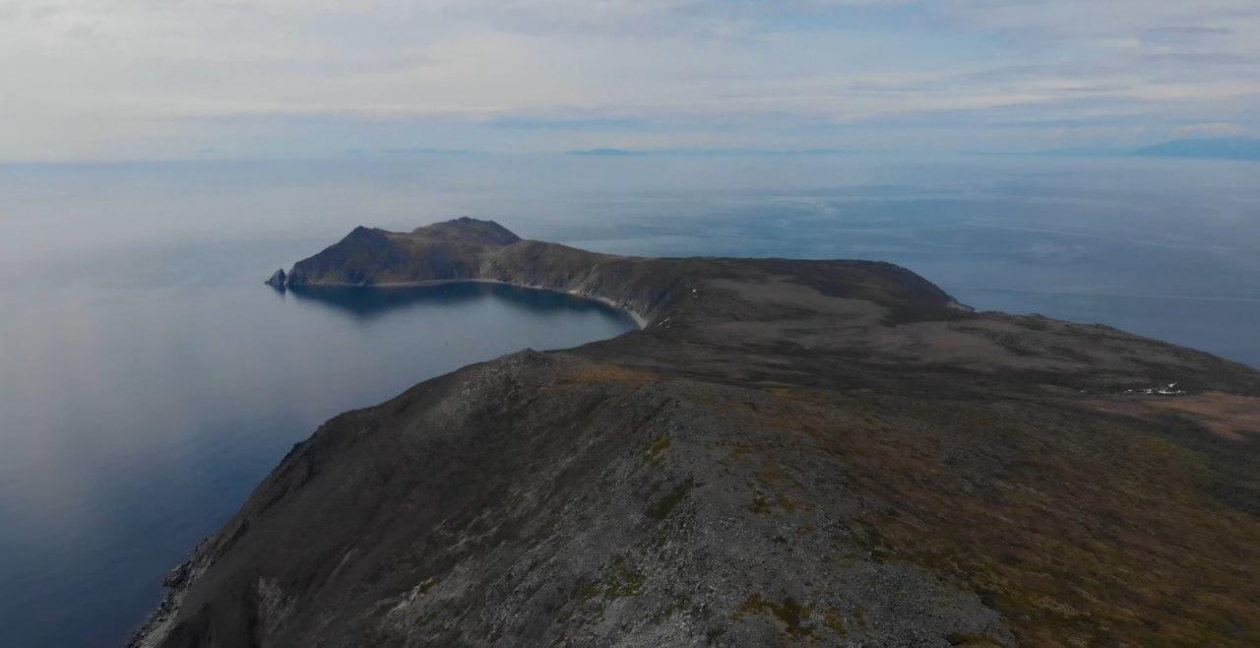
[278, 280]
[788, 452]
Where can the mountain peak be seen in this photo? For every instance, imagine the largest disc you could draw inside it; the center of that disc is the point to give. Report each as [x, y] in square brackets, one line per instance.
[471, 229]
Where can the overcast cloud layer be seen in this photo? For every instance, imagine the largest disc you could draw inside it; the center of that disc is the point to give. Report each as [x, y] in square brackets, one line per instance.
[121, 79]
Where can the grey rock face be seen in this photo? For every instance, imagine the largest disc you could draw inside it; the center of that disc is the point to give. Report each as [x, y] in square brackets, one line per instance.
[544, 511]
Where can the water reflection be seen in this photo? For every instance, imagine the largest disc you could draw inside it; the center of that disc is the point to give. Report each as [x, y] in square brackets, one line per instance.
[368, 304]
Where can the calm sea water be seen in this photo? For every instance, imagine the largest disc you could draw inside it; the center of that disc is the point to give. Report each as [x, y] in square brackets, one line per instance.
[148, 380]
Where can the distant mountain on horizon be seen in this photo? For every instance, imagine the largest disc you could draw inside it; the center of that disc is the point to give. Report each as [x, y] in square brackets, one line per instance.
[712, 152]
[1201, 148]
[1221, 148]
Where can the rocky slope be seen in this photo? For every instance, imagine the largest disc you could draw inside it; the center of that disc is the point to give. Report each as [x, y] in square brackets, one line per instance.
[789, 452]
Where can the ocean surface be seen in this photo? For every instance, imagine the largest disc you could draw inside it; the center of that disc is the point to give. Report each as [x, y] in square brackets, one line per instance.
[148, 380]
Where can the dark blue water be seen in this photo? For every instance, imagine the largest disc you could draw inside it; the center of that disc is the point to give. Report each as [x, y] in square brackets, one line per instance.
[148, 380]
[135, 420]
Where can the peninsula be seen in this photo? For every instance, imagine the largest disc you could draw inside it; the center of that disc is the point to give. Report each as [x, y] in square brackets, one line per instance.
[785, 452]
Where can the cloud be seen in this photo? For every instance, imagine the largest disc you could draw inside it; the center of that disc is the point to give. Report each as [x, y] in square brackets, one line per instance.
[110, 78]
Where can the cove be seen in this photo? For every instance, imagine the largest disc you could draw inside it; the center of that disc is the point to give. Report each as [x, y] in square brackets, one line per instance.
[137, 418]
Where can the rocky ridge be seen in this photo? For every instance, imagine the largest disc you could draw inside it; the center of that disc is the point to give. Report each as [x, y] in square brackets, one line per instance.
[788, 452]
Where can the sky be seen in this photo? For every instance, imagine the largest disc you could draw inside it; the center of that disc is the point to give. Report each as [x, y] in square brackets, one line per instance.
[84, 80]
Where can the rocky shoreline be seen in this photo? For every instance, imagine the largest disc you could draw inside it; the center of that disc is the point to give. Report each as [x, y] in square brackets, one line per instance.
[177, 583]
